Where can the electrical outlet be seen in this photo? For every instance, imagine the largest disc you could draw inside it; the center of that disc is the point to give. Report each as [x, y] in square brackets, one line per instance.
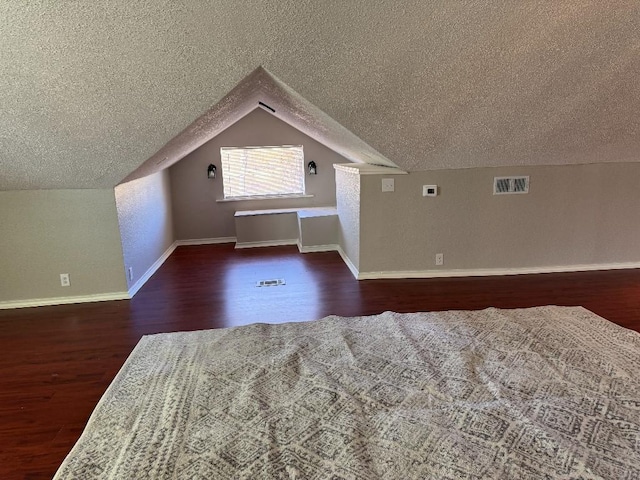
[64, 280]
[388, 185]
[439, 258]
[130, 272]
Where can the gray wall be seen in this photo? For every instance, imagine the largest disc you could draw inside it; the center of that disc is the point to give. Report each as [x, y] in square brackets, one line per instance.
[573, 215]
[319, 231]
[145, 218]
[197, 215]
[48, 232]
[348, 205]
[267, 228]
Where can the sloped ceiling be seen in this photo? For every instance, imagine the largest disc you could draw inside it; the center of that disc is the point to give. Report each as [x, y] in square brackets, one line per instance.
[90, 91]
[260, 87]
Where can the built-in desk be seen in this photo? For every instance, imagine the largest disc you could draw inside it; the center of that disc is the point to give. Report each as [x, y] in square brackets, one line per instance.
[312, 229]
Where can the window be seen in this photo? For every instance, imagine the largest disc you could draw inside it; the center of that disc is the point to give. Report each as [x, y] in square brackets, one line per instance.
[262, 171]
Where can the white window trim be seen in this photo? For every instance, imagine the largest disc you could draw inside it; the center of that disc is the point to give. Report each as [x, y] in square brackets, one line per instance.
[262, 197]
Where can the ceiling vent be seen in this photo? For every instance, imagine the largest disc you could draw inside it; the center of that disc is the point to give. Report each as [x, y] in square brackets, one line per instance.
[509, 185]
[266, 107]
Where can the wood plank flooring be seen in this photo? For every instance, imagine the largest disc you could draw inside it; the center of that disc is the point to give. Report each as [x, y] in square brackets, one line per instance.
[56, 362]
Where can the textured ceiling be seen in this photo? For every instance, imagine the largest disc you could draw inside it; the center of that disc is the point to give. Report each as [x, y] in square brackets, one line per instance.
[91, 90]
[281, 101]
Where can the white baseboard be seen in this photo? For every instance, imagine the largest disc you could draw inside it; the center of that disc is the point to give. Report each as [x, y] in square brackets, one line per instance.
[205, 241]
[44, 302]
[486, 272]
[348, 263]
[268, 243]
[317, 248]
[133, 289]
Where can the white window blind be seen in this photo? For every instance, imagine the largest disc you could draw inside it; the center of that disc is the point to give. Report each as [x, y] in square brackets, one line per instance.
[262, 171]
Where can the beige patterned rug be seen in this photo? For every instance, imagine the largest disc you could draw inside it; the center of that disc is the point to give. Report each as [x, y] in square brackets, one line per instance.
[550, 392]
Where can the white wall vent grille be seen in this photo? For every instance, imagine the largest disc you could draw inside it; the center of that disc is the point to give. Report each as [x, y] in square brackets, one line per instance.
[508, 185]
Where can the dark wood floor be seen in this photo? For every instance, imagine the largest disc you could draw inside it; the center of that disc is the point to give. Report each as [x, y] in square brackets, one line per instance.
[56, 362]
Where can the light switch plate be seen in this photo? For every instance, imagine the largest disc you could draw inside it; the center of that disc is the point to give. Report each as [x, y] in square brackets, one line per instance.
[388, 185]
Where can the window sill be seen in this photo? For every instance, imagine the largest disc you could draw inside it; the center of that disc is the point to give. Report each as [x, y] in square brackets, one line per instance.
[262, 197]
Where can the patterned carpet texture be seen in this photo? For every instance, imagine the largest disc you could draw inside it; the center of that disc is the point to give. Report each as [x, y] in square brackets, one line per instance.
[549, 392]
